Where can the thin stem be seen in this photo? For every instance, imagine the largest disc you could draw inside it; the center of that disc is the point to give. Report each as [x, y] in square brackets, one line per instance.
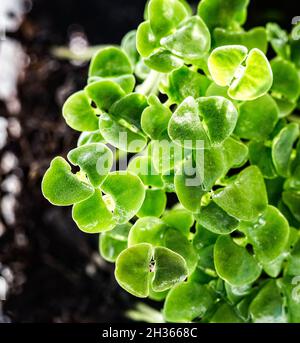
[145, 313]
[150, 85]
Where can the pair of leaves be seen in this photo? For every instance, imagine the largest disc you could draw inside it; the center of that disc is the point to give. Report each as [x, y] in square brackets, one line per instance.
[90, 211]
[169, 36]
[247, 82]
[133, 271]
[207, 119]
[155, 231]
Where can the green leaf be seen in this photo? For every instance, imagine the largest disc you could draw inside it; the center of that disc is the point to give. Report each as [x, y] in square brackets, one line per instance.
[90, 137]
[268, 305]
[225, 314]
[133, 269]
[257, 118]
[203, 238]
[145, 169]
[110, 62]
[255, 80]
[127, 192]
[216, 220]
[185, 126]
[246, 197]
[130, 109]
[94, 159]
[218, 115]
[126, 82]
[269, 235]
[170, 269]
[188, 187]
[190, 41]
[61, 187]
[292, 201]
[113, 242]
[154, 204]
[286, 80]
[92, 215]
[182, 83]
[177, 242]
[224, 61]
[124, 138]
[147, 230]
[128, 45]
[104, 93]
[146, 42]
[217, 13]
[186, 302]
[165, 15]
[235, 153]
[279, 39]
[282, 148]
[180, 219]
[79, 114]
[234, 264]
[163, 61]
[155, 118]
[261, 156]
[286, 85]
[166, 155]
[255, 38]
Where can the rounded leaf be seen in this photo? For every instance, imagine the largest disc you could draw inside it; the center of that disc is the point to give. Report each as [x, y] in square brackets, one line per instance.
[282, 148]
[269, 235]
[130, 109]
[217, 13]
[92, 214]
[127, 192]
[216, 220]
[182, 83]
[165, 15]
[234, 264]
[268, 305]
[110, 61]
[224, 61]
[122, 137]
[154, 204]
[155, 118]
[246, 197]
[79, 114]
[170, 268]
[95, 159]
[190, 41]
[61, 187]
[104, 93]
[147, 230]
[132, 270]
[186, 302]
[146, 42]
[163, 61]
[255, 80]
[112, 243]
[257, 118]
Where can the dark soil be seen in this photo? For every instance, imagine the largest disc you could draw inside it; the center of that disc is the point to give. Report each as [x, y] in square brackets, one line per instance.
[57, 274]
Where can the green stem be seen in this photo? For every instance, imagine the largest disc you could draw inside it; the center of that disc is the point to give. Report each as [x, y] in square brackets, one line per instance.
[150, 85]
[145, 313]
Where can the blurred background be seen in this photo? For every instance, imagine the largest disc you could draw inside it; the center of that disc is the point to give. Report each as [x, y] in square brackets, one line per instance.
[49, 270]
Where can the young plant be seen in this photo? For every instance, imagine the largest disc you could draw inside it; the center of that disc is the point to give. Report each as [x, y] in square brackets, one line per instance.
[206, 216]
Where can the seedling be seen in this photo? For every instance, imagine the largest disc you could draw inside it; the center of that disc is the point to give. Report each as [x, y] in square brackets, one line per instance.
[229, 250]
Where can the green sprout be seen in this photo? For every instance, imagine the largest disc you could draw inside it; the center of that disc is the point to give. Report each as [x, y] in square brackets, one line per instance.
[205, 216]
